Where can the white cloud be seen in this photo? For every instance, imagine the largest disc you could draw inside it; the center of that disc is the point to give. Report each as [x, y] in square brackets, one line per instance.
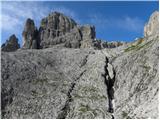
[9, 22]
[15, 13]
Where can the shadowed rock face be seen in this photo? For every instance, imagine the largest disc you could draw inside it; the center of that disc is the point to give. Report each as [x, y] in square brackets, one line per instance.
[60, 29]
[54, 26]
[99, 44]
[30, 35]
[11, 44]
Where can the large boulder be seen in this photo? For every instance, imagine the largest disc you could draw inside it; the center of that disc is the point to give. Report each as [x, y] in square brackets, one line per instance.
[30, 35]
[11, 44]
[152, 27]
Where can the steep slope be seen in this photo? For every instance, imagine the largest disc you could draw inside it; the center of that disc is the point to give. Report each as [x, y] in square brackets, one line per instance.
[136, 67]
[54, 83]
[59, 82]
[136, 86]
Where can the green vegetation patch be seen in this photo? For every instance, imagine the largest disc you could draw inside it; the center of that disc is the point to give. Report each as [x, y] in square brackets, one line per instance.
[125, 115]
[146, 67]
[138, 46]
[85, 108]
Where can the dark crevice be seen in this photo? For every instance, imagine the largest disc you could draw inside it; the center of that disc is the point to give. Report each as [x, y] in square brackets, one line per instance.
[110, 90]
[84, 61]
[66, 107]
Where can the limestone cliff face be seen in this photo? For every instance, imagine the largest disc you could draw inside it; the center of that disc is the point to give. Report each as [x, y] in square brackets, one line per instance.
[152, 27]
[88, 35]
[11, 44]
[59, 82]
[53, 27]
[59, 30]
[136, 67]
[30, 35]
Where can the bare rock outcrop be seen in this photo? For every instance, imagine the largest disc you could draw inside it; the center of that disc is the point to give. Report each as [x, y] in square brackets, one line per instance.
[53, 29]
[136, 83]
[54, 83]
[88, 35]
[59, 30]
[30, 35]
[11, 44]
[100, 44]
[80, 83]
[152, 27]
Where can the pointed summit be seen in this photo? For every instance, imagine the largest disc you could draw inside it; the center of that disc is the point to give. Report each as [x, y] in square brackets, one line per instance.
[11, 44]
[152, 27]
[30, 35]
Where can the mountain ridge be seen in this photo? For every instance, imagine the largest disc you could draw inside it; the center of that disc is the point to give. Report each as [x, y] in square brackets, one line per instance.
[77, 78]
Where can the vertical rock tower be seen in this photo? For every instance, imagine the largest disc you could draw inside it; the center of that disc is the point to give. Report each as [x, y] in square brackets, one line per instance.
[54, 26]
[30, 35]
[57, 29]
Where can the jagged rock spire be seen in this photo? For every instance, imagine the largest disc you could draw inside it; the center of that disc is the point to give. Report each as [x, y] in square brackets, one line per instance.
[11, 44]
[30, 35]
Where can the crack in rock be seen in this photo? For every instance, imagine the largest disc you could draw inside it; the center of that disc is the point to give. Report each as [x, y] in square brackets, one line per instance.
[66, 107]
[109, 77]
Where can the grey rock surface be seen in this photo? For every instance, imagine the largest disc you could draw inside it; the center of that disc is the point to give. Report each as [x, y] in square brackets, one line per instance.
[59, 30]
[11, 44]
[54, 83]
[54, 26]
[59, 82]
[30, 35]
[88, 35]
[136, 88]
[152, 27]
[100, 44]
[136, 84]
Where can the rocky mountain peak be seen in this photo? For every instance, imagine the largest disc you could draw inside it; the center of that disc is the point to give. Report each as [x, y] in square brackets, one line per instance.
[30, 35]
[58, 29]
[152, 27]
[55, 25]
[67, 83]
[11, 44]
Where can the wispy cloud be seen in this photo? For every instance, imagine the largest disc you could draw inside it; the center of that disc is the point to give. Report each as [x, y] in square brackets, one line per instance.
[14, 14]
[128, 23]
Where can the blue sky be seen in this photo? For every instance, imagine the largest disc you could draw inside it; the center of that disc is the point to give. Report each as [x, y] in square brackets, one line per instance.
[114, 21]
